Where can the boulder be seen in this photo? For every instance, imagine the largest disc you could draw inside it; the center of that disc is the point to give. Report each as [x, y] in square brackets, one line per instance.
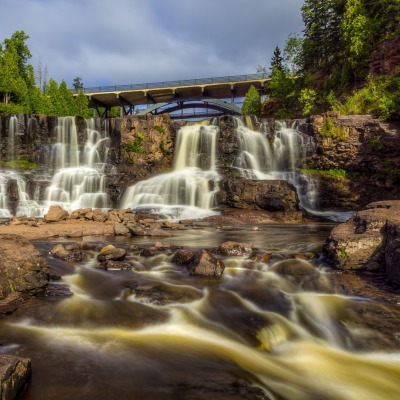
[231, 248]
[271, 195]
[370, 240]
[99, 215]
[22, 267]
[56, 214]
[121, 230]
[70, 252]
[113, 265]
[199, 262]
[111, 253]
[15, 372]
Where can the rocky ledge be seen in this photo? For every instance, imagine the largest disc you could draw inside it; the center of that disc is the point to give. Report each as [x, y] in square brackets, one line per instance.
[369, 241]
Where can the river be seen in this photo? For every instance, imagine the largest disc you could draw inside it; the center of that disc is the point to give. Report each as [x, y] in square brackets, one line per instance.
[276, 326]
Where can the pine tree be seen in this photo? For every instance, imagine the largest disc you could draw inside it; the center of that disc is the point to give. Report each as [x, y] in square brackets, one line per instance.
[67, 100]
[82, 103]
[9, 74]
[252, 102]
[277, 60]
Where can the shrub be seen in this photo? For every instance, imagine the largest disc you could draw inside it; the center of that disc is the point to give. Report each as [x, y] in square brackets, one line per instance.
[330, 130]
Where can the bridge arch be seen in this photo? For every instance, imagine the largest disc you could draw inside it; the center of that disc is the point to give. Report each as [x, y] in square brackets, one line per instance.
[173, 105]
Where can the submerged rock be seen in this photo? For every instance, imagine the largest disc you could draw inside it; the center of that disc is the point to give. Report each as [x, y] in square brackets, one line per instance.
[111, 252]
[231, 248]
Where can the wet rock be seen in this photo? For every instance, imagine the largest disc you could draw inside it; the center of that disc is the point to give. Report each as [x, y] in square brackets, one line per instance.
[70, 252]
[56, 214]
[137, 230]
[113, 265]
[231, 248]
[149, 252]
[110, 252]
[10, 303]
[271, 195]
[22, 267]
[15, 372]
[199, 262]
[294, 267]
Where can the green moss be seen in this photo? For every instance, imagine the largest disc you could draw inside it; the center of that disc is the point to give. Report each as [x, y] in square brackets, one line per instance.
[159, 128]
[20, 164]
[343, 252]
[335, 173]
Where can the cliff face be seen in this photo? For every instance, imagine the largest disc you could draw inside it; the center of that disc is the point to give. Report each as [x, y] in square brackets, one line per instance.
[369, 151]
[385, 59]
[140, 147]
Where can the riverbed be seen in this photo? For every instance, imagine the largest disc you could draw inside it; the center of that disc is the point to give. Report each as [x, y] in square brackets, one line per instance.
[275, 325]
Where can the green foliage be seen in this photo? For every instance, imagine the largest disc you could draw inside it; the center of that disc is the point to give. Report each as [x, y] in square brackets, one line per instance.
[19, 92]
[136, 145]
[20, 164]
[330, 130]
[162, 146]
[357, 32]
[307, 99]
[292, 53]
[379, 97]
[334, 173]
[376, 144]
[77, 84]
[277, 60]
[252, 102]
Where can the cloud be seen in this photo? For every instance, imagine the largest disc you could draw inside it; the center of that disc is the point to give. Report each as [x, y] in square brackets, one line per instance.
[132, 41]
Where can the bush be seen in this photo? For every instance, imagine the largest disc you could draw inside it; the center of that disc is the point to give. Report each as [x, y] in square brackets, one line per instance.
[330, 130]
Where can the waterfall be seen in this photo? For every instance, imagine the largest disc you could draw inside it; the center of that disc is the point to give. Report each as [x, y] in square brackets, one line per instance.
[187, 191]
[278, 155]
[79, 179]
[12, 133]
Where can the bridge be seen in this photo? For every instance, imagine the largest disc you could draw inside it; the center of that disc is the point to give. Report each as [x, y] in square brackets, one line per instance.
[182, 98]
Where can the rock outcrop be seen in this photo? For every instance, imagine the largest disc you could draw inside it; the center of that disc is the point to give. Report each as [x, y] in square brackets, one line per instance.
[22, 267]
[370, 240]
[15, 372]
[274, 195]
[385, 58]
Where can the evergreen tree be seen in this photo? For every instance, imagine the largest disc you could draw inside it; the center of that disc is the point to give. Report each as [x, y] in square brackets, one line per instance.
[56, 103]
[82, 104]
[277, 60]
[67, 100]
[293, 52]
[252, 102]
[9, 75]
[77, 84]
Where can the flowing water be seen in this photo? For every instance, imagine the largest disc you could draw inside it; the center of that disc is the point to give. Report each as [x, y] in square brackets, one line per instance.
[79, 178]
[270, 327]
[188, 190]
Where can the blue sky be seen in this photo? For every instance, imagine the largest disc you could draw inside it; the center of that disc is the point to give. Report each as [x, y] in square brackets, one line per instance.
[135, 41]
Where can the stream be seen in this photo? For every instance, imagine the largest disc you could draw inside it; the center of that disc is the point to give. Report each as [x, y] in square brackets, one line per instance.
[273, 326]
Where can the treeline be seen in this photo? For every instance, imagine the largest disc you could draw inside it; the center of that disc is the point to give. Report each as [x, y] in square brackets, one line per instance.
[327, 67]
[24, 90]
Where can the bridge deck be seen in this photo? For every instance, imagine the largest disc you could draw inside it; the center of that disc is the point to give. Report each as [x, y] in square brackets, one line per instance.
[158, 92]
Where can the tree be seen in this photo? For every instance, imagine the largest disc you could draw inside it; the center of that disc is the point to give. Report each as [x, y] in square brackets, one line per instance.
[67, 101]
[9, 77]
[82, 103]
[277, 60]
[357, 35]
[252, 102]
[77, 84]
[292, 53]
[56, 104]
[17, 41]
[41, 76]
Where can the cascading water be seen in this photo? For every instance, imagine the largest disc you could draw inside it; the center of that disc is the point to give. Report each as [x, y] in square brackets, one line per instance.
[184, 192]
[79, 180]
[267, 156]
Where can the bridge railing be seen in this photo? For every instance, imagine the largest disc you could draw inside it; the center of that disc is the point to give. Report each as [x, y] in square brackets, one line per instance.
[186, 82]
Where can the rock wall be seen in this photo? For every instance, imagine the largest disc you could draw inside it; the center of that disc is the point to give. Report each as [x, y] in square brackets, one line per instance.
[385, 59]
[369, 152]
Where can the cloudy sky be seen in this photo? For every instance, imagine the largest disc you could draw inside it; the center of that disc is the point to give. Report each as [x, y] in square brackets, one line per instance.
[109, 42]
